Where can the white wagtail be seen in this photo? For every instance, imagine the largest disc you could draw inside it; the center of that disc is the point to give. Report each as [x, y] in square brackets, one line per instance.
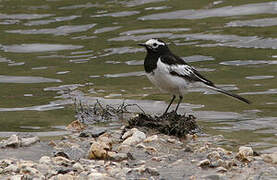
[171, 74]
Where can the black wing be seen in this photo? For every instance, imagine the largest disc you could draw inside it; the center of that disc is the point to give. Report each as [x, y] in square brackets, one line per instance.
[178, 67]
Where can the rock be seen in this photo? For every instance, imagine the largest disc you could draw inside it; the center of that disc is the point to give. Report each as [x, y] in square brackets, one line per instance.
[204, 163]
[45, 160]
[93, 132]
[98, 150]
[74, 153]
[244, 153]
[12, 141]
[61, 161]
[221, 170]
[124, 148]
[150, 150]
[29, 141]
[151, 139]
[78, 167]
[270, 158]
[16, 177]
[213, 155]
[30, 170]
[11, 168]
[215, 177]
[152, 171]
[133, 137]
[99, 176]
[117, 156]
[65, 177]
[75, 126]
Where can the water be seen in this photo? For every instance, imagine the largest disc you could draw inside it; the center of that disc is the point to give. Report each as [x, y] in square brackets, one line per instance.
[51, 48]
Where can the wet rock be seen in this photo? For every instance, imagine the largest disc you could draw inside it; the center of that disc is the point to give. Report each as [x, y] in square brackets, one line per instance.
[93, 132]
[170, 123]
[15, 141]
[133, 137]
[270, 158]
[12, 141]
[29, 141]
[244, 153]
[99, 150]
[204, 163]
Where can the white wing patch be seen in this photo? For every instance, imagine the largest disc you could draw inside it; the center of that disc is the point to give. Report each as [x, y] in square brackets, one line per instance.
[184, 70]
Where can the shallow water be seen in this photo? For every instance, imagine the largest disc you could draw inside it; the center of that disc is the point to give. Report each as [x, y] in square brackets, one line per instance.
[49, 49]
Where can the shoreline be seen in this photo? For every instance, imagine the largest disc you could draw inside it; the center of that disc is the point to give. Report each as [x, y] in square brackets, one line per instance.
[137, 153]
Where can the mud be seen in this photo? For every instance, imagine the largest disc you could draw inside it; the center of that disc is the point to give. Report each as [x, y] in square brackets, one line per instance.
[169, 123]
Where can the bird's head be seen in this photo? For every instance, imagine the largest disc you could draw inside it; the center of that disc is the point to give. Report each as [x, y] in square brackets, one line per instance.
[155, 46]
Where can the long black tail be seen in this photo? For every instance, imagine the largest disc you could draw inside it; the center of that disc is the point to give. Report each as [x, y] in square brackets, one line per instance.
[230, 94]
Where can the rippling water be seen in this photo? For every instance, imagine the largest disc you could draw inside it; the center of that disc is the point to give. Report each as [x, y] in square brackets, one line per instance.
[49, 48]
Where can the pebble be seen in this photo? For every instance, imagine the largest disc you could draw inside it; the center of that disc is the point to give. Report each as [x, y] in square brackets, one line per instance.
[29, 141]
[78, 167]
[11, 168]
[133, 137]
[99, 176]
[270, 158]
[117, 156]
[221, 170]
[45, 160]
[204, 163]
[151, 139]
[245, 153]
[98, 150]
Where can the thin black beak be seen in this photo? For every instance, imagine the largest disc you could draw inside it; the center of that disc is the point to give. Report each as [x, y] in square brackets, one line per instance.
[142, 44]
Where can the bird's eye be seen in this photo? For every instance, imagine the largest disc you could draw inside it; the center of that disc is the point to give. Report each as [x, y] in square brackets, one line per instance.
[155, 44]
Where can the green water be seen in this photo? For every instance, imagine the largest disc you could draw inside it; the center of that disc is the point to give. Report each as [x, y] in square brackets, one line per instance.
[84, 50]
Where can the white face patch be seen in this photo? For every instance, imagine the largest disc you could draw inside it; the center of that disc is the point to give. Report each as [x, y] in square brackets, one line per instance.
[154, 43]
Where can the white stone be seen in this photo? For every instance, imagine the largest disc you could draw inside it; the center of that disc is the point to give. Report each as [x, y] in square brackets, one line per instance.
[99, 176]
[77, 166]
[136, 137]
[28, 141]
[16, 177]
[45, 160]
[11, 168]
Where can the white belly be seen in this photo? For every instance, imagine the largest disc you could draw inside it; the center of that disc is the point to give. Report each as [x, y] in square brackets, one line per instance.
[166, 82]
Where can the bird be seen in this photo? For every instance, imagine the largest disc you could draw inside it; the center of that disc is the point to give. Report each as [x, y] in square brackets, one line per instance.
[172, 75]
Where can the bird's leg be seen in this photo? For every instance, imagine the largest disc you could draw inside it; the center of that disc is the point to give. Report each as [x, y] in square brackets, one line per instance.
[180, 100]
[170, 104]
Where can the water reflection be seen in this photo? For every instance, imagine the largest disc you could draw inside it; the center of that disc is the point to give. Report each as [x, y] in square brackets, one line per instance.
[248, 9]
[32, 48]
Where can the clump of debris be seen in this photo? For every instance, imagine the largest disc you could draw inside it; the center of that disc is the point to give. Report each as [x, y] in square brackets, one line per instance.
[169, 123]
